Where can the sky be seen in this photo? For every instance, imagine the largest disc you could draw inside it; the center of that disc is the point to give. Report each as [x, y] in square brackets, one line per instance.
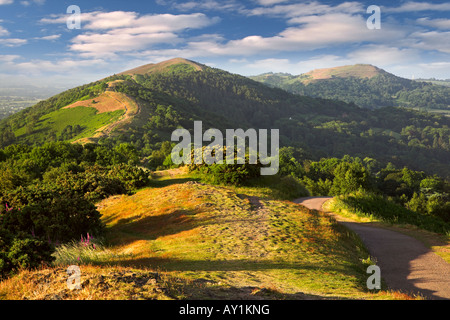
[39, 44]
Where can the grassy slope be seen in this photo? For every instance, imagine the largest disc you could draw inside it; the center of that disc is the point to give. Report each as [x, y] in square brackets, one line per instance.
[88, 118]
[210, 242]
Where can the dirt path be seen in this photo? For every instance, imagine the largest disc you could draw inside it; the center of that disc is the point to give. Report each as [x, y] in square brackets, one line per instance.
[129, 112]
[406, 264]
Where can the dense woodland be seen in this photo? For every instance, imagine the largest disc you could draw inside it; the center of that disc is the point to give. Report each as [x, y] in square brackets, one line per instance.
[383, 90]
[48, 190]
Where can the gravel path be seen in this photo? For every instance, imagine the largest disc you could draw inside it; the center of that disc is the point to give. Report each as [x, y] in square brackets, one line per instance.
[406, 264]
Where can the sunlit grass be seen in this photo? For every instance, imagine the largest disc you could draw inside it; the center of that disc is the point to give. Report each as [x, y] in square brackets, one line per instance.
[213, 242]
[211, 232]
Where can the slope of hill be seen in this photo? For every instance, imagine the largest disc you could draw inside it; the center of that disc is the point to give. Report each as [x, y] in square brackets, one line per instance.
[173, 94]
[364, 85]
[164, 66]
[360, 71]
[189, 240]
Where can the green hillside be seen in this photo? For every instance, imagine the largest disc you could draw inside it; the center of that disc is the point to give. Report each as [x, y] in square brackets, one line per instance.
[88, 120]
[364, 85]
[175, 93]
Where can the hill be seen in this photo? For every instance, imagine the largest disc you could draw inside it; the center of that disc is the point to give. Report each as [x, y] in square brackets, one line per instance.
[360, 71]
[187, 240]
[174, 93]
[364, 85]
[165, 66]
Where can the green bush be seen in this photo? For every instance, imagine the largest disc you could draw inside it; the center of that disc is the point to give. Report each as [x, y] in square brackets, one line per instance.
[231, 174]
[56, 217]
[21, 251]
[377, 206]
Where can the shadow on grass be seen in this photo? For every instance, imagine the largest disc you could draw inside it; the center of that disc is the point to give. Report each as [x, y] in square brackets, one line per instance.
[153, 227]
[182, 265]
[202, 289]
[161, 183]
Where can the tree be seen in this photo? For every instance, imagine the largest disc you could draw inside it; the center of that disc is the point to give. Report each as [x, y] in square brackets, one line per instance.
[350, 177]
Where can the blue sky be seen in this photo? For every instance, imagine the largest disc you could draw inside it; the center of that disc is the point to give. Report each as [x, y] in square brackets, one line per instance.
[245, 37]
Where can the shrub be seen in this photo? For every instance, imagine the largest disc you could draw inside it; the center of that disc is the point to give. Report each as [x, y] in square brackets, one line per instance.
[234, 174]
[52, 215]
[22, 251]
[367, 204]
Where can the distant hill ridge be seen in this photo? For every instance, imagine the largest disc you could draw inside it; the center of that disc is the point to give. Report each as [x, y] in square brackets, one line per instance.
[357, 71]
[144, 105]
[363, 84]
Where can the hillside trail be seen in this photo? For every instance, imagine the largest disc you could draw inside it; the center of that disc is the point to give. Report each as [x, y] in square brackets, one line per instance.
[126, 116]
[406, 264]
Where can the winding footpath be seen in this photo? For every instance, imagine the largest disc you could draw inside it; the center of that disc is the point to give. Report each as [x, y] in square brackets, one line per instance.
[406, 263]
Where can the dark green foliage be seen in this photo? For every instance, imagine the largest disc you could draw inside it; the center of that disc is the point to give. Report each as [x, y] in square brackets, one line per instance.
[48, 195]
[233, 174]
[413, 190]
[228, 174]
[350, 177]
[367, 204]
[50, 214]
[383, 90]
[22, 251]
[289, 164]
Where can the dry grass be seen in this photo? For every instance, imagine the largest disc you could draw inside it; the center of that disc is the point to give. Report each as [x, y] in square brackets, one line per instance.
[358, 71]
[106, 102]
[97, 283]
[210, 242]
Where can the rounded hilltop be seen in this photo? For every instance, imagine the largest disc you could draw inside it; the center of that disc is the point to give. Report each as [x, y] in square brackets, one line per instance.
[162, 67]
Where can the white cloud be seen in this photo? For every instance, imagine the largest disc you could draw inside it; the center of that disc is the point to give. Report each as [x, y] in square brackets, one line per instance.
[432, 40]
[49, 38]
[435, 23]
[2, 2]
[383, 56]
[312, 32]
[270, 2]
[108, 33]
[419, 6]
[207, 5]
[14, 64]
[30, 2]
[109, 44]
[13, 42]
[3, 31]
[8, 58]
[309, 8]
